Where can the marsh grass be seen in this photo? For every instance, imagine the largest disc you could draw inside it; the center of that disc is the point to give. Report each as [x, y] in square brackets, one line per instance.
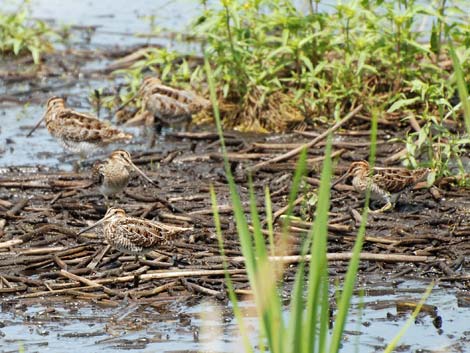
[375, 52]
[280, 68]
[307, 328]
[19, 34]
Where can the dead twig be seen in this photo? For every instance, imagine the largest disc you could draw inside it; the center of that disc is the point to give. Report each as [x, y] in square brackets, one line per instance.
[18, 207]
[308, 145]
[201, 289]
[346, 256]
[89, 282]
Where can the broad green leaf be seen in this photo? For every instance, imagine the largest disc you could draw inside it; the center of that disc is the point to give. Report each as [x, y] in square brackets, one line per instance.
[307, 62]
[402, 103]
[16, 45]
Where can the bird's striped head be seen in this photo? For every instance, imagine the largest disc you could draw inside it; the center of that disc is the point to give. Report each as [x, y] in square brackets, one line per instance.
[358, 168]
[55, 102]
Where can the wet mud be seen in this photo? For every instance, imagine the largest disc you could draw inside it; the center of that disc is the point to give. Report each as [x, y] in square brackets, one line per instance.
[425, 236]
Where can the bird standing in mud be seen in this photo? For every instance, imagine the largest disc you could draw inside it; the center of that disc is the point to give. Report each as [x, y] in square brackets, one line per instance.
[134, 236]
[79, 132]
[384, 183]
[114, 173]
[167, 104]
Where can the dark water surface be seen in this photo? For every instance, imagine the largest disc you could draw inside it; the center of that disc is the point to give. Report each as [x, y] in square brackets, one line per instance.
[209, 326]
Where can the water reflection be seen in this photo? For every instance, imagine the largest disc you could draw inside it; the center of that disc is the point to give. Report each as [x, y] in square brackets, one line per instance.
[169, 326]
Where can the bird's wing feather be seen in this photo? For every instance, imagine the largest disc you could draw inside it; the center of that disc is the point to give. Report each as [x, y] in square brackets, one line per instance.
[139, 235]
[77, 126]
[397, 179]
[159, 104]
[171, 98]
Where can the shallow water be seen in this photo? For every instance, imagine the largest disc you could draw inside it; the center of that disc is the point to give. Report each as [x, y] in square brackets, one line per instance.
[117, 22]
[209, 327]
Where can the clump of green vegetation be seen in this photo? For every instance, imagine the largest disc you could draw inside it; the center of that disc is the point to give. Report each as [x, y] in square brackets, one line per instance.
[278, 67]
[171, 67]
[439, 141]
[268, 56]
[368, 52]
[20, 35]
[306, 327]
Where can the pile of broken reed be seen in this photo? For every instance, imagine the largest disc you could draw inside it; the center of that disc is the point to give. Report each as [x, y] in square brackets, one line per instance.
[41, 212]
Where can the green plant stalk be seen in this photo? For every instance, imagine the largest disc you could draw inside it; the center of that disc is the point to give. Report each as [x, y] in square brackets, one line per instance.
[236, 57]
[318, 261]
[398, 63]
[391, 346]
[260, 246]
[295, 331]
[290, 344]
[231, 292]
[461, 86]
[264, 300]
[267, 300]
[298, 175]
[310, 7]
[324, 312]
[242, 225]
[297, 334]
[349, 282]
[440, 24]
[269, 220]
[265, 282]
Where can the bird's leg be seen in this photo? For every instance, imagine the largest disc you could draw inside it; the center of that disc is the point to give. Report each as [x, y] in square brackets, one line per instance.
[106, 201]
[78, 165]
[187, 123]
[136, 281]
[150, 129]
[149, 119]
[387, 206]
[136, 276]
[158, 125]
[397, 197]
[404, 191]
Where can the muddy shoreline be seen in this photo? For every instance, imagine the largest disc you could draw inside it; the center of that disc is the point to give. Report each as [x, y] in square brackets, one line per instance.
[42, 255]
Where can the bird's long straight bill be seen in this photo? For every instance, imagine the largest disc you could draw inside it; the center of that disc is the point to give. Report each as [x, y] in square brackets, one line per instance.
[36, 126]
[93, 225]
[123, 105]
[340, 179]
[138, 170]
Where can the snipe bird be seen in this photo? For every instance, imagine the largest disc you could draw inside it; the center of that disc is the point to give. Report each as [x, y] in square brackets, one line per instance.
[134, 236]
[385, 184]
[114, 173]
[167, 104]
[79, 132]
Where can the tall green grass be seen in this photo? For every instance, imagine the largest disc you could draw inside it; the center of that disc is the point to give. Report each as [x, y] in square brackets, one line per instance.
[277, 65]
[20, 34]
[461, 85]
[307, 327]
